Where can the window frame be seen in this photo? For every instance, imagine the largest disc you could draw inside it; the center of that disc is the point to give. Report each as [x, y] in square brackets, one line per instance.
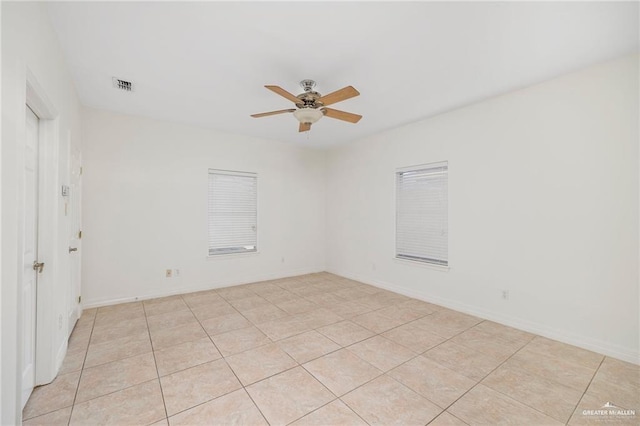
[230, 250]
[439, 264]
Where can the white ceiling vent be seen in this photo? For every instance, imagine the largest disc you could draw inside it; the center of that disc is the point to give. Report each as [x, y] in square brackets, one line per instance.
[125, 85]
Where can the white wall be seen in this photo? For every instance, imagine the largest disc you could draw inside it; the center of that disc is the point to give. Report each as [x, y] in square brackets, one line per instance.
[145, 207]
[543, 202]
[29, 43]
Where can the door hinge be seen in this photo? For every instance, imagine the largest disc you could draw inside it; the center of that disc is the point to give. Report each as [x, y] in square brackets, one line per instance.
[80, 170]
[79, 299]
[79, 235]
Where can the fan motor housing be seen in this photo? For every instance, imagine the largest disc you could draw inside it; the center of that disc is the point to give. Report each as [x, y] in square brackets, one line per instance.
[309, 99]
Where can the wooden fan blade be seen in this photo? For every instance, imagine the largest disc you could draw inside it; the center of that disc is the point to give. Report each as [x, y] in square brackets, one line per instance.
[264, 114]
[339, 95]
[342, 115]
[280, 91]
[304, 127]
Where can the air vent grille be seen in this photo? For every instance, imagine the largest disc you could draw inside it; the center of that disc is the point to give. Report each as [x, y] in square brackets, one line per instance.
[120, 84]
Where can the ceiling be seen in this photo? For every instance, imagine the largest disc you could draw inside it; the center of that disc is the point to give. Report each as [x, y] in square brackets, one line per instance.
[206, 63]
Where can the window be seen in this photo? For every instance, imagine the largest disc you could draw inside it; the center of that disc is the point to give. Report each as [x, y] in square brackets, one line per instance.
[233, 212]
[421, 213]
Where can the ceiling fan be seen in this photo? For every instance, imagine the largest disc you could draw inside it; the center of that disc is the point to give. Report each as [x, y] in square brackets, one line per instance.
[312, 106]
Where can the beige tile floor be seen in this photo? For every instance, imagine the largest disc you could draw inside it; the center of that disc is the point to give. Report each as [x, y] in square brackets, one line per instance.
[320, 349]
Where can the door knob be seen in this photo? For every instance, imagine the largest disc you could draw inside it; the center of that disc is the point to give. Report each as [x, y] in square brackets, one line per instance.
[37, 266]
[72, 249]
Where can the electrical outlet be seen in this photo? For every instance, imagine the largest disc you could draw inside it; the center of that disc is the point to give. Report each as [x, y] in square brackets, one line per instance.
[505, 294]
[169, 273]
[176, 272]
[282, 260]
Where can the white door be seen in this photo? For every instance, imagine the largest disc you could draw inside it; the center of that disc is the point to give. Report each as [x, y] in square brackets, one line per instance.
[74, 205]
[29, 255]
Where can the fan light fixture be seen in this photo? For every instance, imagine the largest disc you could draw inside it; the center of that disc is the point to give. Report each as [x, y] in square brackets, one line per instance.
[307, 115]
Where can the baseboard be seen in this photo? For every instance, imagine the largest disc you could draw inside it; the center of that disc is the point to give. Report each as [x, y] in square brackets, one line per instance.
[604, 348]
[201, 287]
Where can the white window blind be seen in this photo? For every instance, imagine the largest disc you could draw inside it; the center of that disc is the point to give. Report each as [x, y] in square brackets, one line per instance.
[422, 231]
[233, 213]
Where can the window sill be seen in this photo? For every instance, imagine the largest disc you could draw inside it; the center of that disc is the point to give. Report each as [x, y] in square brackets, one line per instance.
[231, 255]
[419, 264]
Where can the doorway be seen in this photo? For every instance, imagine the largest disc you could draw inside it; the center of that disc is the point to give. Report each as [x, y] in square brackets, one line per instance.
[40, 319]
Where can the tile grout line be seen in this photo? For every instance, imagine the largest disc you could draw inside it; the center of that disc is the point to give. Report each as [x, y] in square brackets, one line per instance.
[346, 347]
[323, 305]
[480, 381]
[573, 412]
[228, 366]
[550, 379]
[228, 302]
[99, 365]
[264, 378]
[488, 374]
[339, 397]
[418, 355]
[446, 412]
[277, 373]
[222, 357]
[385, 373]
[155, 361]
[115, 360]
[153, 351]
[81, 370]
[328, 403]
[75, 396]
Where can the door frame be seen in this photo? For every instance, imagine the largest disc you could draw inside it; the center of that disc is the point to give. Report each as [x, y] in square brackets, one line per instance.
[74, 202]
[48, 226]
